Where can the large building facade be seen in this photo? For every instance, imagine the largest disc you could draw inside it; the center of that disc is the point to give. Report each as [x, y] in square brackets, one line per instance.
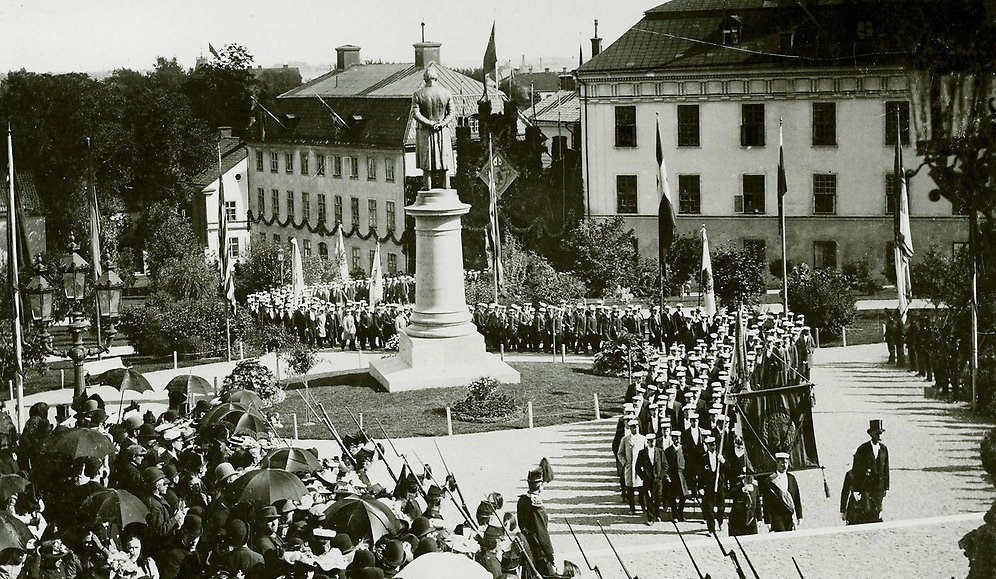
[720, 78]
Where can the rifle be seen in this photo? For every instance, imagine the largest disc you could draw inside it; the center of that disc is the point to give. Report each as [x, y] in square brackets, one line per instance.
[826, 487]
[746, 558]
[450, 479]
[517, 541]
[616, 553]
[465, 514]
[732, 555]
[335, 435]
[797, 569]
[390, 471]
[590, 568]
[687, 550]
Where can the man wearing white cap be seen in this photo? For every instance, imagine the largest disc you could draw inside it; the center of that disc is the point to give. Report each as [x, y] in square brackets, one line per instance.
[629, 449]
[780, 497]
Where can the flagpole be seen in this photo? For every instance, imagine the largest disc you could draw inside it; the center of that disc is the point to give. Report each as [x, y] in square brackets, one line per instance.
[15, 284]
[94, 243]
[781, 222]
[493, 209]
[223, 255]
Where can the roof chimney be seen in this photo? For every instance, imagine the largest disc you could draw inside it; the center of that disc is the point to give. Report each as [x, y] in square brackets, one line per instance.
[426, 53]
[224, 132]
[596, 42]
[567, 82]
[346, 56]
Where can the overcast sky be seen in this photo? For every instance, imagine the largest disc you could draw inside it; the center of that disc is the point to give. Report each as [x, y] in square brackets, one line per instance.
[98, 35]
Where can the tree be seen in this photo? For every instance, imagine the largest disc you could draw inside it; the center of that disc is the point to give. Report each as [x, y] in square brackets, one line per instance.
[220, 92]
[683, 261]
[823, 296]
[738, 276]
[529, 278]
[602, 254]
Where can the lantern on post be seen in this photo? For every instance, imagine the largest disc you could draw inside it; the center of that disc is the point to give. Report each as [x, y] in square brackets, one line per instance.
[40, 294]
[74, 272]
[109, 287]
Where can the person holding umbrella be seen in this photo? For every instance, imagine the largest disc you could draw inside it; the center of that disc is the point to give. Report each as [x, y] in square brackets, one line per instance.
[267, 533]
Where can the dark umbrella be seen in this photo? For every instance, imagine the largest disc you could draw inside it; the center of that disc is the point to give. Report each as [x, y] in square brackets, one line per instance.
[361, 518]
[265, 486]
[116, 506]
[122, 379]
[246, 422]
[189, 384]
[292, 459]
[219, 412]
[247, 398]
[13, 532]
[10, 485]
[77, 442]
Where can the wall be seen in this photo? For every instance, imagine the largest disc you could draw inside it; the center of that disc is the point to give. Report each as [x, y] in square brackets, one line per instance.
[237, 190]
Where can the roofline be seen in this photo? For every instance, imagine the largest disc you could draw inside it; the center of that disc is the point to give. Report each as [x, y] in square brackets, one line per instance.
[704, 72]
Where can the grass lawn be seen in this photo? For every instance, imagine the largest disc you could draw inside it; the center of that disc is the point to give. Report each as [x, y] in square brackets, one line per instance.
[865, 329]
[561, 393]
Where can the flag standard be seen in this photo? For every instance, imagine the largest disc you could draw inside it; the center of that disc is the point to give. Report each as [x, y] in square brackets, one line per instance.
[494, 233]
[224, 259]
[340, 260]
[213, 51]
[490, 62]
[666, 220]
[12, 258]
[782, 190]
[297, 271]
[903, 244]
[705, 278]
[779, 420]
[376, 293]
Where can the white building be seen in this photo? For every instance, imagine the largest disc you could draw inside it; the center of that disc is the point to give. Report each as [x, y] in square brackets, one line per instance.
[205, 210]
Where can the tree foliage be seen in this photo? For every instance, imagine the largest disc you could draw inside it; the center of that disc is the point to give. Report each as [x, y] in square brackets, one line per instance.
[738, 276]
[529, 278]
[602, 253]
[823, 296]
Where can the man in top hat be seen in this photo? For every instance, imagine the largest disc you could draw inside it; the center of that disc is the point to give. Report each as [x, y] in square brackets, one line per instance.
[780, 497]
[870, 471]
[652, 465]
[534, 524]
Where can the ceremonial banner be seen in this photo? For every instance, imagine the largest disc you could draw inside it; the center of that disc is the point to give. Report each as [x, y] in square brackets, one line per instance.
[903, 245]
[705, 279]
[779, 420]
[666, 220]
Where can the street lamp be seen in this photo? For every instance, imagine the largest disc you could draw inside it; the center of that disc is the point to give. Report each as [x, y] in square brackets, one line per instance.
[280, 260]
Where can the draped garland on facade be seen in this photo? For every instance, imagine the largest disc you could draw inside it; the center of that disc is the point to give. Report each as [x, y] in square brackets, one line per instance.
[323, 230]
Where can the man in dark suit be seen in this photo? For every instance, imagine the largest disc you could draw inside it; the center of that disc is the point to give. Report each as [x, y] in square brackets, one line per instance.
[713, 495]
[870, 472]
[676, 488]
[746, 509]
[652, 466]
[780, 497]
[534, 523]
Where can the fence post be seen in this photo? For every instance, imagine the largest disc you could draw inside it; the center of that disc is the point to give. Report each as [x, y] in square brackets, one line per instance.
[553, 346]
[563, 353]
[817, 336]
[294, 419]
[359, 418]
[598, 410]
[501, 351]
[449, 422]
[359, 356]
[242, 350]
[176, 360]
[215, 385]
[62, 377]
[529, 412]
[277, 354]
[843, 335]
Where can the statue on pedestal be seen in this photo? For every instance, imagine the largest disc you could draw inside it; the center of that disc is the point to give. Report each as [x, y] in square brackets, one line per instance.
[433, 110]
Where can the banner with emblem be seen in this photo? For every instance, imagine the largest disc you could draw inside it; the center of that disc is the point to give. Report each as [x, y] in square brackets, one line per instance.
[779, 420]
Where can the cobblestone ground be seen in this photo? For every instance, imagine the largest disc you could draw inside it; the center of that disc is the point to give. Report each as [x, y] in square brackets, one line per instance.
[938, 488]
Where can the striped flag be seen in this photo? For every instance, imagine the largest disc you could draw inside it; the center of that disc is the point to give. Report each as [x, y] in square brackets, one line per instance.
[224, 261]
[494, 234]
[708, 293]
[666, 220]
[376, 279]
[903, 240]
[95, 230]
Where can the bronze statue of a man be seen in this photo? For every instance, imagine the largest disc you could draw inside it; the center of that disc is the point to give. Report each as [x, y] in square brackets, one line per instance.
[433, 110]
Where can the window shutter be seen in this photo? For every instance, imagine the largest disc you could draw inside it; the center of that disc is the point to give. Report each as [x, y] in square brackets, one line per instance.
[738, 203]
[743, 135]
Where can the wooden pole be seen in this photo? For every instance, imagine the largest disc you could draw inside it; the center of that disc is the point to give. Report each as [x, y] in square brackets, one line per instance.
[529, 412]
[176, 360]
[294, 419]
[598, 410]
[449, 422]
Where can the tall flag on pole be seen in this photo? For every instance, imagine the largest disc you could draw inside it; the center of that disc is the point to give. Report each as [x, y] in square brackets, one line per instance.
[494, 234]
[376, 292]
[782, 190]
[95, 230]
[904, 240]
[666, 220]
[12, 258]
[340, 255]
[297, 270]
[213, 51]
[224, 259]
[708, 295]
[490, 62]
[782, 183]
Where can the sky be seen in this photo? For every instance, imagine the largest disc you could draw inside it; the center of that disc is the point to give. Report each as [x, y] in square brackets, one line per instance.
[100, 35]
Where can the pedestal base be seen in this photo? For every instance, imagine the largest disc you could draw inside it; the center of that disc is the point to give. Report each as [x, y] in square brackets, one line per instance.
[440, 363]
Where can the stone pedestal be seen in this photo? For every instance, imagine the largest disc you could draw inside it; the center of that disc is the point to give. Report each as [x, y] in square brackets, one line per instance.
[441, 346]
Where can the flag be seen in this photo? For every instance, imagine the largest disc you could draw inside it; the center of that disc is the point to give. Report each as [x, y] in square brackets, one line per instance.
[376, 290]
[782, 183]
[708, 295]
[903, 242]
[12, 259]
[340, 255]
[95, 231]
[224, 259]
[738, 371]
[666, 220]
[494, 234]
[580, 56]
[213, 51]
[490, 62]
[297, 270]
[779, 420]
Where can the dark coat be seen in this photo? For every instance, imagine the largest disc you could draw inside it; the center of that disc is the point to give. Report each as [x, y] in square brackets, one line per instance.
[746, 510]
[871, 474]
[676, 470]
[777, 512]
[655, 473]
[242, 559]
[534, 523]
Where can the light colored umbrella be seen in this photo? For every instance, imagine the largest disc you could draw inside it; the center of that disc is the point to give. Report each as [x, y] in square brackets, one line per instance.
[443, 566]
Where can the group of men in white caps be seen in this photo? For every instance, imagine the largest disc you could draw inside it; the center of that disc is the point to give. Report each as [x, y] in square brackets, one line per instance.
[679, 438]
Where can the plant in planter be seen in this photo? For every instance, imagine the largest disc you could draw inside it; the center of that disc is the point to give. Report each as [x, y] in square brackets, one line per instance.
[393, 345]
[301, 358]
[615, 357]
[485, 402]
[253, 376]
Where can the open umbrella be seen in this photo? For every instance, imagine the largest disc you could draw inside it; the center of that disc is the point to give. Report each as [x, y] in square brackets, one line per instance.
[10, 485]
[189, 384]
[77, 442]
[443, 566]
[361, 518]
[219, 412]
[292, 459]
[122, 379]
[116, 506]
[246, 422]
[265, 486]
[247, 398]
[13, 532]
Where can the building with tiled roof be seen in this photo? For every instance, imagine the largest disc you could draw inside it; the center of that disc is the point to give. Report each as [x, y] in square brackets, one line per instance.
[204, 209]
[558, 116]
[719, 77]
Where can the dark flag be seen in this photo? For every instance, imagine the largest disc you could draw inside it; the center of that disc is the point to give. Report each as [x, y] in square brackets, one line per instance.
[490, 62]
[779, 420]
[782, 184]
[213, 51]
[666, 220]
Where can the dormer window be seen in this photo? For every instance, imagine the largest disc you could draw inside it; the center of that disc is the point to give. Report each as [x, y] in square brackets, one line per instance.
[865, 30]
[731, 30]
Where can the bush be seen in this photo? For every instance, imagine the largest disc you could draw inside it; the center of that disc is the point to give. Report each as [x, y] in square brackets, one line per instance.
[823, 296]
[859, 277]
[529, 278]
[614, 357]
[164, 325]
[301, 358]
[485, 402]
[255, 377]
[738, 276]
[603, 255]
[775, 267]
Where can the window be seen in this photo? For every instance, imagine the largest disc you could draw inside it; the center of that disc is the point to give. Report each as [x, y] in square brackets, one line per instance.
[865, 29]
[233, 247]
[731, 31]
[288, 162]
[392, 263]
[231, 213]
[389, 169]
[321, 208]
[824, 124]
[752, 199]
[689, 194]
[323, 250]
[291, 214]
[391, 216]
[958, 248]
[371, 256]
[274, 163]
[305, 162]
[354, 211]
[688, 125]
[355, 258]
[305, 206]
[825, 254]
[891, 108]
[354, 167]
[336, 166]
[371, 168]
[626, 126]
[757, 247]
[824, 194]
[321, 165]
[337, 209]
[372, 214]
[752, 125]
[259, 161]
[307, 248]
[260, 201]
[275, 203]
[626, 194]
